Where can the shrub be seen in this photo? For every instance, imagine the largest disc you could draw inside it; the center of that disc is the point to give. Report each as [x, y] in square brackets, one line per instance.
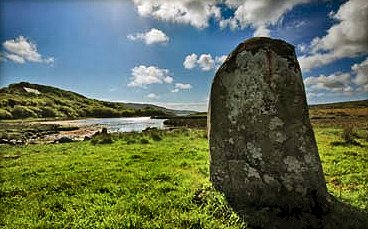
[23, 112]
[103, 112]
[156, 137]
[102, 139]
[144, 141]
[47, 112]
[4, 114]
[69, 112]
[348, 134]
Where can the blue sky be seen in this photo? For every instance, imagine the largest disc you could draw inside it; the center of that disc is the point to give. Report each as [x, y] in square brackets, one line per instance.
[166, 52]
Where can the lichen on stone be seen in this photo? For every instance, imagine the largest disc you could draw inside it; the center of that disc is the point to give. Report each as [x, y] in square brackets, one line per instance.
[293, 164]
[251, 172]
[275, 123]
[254, 151]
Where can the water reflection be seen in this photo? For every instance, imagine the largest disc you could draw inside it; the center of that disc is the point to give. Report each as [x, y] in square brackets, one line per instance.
[136, 124]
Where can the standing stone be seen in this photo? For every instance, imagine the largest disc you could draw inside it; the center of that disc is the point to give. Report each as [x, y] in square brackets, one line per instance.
[264, 156]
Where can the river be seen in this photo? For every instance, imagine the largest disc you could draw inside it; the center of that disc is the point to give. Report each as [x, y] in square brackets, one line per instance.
[136, 124]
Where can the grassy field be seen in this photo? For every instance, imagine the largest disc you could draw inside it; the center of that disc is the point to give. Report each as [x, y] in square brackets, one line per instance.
[147, 180]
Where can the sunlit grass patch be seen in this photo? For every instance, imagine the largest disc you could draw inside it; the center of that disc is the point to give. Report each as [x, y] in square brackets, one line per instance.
[163, 183]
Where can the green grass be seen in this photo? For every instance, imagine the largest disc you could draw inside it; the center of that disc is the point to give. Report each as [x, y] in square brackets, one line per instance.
[126, 184]
[345, 165]
[159, 182]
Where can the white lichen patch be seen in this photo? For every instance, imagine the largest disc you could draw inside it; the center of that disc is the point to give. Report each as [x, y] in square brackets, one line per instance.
[279, 137]
[293, 164]
[308, 159]
[254, 151]
[275, 123]
[231, 141]
[247, 89]
[287, 184]
[242, 58]
[268, 179]
[251, 172]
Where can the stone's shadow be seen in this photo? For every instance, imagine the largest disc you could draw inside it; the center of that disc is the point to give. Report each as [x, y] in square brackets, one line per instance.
[343, 215]
[340, 215]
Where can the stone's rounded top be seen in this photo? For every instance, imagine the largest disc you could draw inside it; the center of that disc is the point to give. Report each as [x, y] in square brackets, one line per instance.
[254, 44]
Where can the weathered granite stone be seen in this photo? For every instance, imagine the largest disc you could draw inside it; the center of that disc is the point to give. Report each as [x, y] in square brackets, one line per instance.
[262, 146]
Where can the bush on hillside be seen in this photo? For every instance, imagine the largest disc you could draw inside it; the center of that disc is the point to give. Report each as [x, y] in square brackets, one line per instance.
[103, 112]
[4, 114]
[48, 112]
[69, 112]
[23, 112]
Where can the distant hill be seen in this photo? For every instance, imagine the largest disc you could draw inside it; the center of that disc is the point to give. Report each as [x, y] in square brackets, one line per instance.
[341, 105]
[332, 114]
[26, 100]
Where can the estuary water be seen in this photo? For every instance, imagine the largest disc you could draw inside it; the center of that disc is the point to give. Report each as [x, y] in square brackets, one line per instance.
[136, 124]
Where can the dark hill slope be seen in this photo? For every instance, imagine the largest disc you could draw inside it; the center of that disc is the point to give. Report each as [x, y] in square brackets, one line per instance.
[341, 105]
[25, 100]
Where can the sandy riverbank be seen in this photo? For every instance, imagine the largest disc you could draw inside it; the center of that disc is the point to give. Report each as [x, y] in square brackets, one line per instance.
[84, 129]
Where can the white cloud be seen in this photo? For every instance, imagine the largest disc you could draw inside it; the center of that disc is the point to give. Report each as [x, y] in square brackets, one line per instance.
[152, 96]
[347, 38]
[229, 22]
[205, 61]
[220, 59]
[190, 61]
[191, 12]
[258, 14]
[151, 37]
[354, 82]
[338, 82]
[183, 86]
[262, 31]
[144, 75]
[21, 50]
[15, 58]
[361, 75]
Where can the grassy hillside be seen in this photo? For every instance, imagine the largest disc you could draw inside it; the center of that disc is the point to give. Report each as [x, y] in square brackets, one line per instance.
[155, 179]
[335, 114]
[25, 100]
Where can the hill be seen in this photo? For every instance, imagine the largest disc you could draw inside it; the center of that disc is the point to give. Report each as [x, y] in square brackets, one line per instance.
[332, 114]
[26, 100]
[341, 105]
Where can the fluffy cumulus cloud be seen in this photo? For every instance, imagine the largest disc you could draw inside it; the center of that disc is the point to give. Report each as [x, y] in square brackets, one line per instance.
[361, 75]
[204, 61]
[258, 14]
[350, 83]
[338, 82]
[192, 12]
[181, 86]
[144, 75]
[190, 61]
[151, 37]
[21, 50]
[348, 37]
